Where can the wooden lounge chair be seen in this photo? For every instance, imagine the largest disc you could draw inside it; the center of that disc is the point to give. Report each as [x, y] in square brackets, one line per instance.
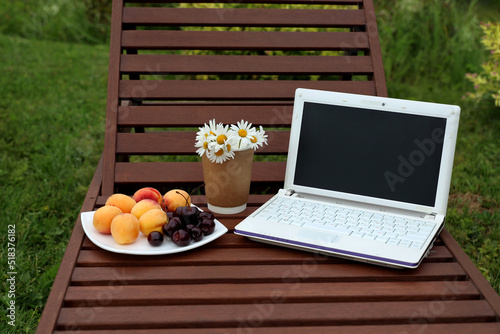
[172, 68]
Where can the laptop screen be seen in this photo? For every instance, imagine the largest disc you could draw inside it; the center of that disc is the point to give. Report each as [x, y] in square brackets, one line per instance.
[381, 154]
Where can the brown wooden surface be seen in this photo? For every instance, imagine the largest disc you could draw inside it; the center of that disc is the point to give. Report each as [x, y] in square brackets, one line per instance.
[156, 64]
[158, 96]
[264, 17]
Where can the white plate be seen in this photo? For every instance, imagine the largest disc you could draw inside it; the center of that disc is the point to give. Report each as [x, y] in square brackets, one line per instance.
[141, 246]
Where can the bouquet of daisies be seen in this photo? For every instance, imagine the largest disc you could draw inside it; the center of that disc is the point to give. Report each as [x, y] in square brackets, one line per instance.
[220, 141]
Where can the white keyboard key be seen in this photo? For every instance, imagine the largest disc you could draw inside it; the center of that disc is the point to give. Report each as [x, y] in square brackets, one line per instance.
[422, 234]
[410, 237]
[369, 236]
[357, 234]
[322, 222]
[341, 216]
[404, 243]
[336, 229]
[382, 238]
[328, 220]
[399, 221]
[393, 241]
[425, 230]
[416, 245]
[366, 215]
[274, 218]
[412, 223]
[265, 214]
[400, 230]
[284, 221]
[320, 208]
[356, 213]
[366, 230]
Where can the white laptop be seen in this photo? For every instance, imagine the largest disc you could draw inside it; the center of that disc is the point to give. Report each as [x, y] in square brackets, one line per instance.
[367, 178]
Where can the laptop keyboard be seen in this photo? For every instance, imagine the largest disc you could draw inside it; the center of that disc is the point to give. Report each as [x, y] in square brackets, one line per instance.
[392, 230]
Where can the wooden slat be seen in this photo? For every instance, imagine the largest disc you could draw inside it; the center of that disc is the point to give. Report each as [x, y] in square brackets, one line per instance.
[161, 143]
[224, 64]
[197, 115]
[275, 273]
[188, 172]
[375, 50]
[475, 275]
[243, 17]
[277, 314]
[243, 40]
[201, 201]
[426, 327]
[293, 2]
[112, 103]
[234, 89]
[214, 256]
[134, 295]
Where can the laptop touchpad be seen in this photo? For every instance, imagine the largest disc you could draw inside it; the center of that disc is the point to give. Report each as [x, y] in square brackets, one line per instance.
[318, 236]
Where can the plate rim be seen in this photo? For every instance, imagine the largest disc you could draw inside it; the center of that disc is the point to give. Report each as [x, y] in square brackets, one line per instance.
[220, 230]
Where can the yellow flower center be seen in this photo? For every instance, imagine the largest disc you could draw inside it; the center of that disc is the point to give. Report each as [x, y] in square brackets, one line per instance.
[219, 153]
[212, 133]
[205, 145]
[253, 139]
[206, 135]
[242, 132]
[228, 147]
[221, 139]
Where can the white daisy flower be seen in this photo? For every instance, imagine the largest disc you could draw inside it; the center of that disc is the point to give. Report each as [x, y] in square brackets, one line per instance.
[220, 155]
[202, 145]
[221, 135]
[203, 133]
[212, 126]
[258, 139]
[220, 142]
[244, 133]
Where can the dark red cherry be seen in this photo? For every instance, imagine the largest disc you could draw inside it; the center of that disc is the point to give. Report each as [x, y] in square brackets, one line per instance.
[181, 238]
[207, 226]
[155, 238]
[196, 234]
[178, 211]
[173, 225]
[205, 215]
[189, 215]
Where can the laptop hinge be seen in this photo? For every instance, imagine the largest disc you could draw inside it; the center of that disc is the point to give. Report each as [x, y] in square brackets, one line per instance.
[432, 215]
[289, 192]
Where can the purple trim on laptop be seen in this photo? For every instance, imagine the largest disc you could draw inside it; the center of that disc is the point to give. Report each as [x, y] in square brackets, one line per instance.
[334, 250]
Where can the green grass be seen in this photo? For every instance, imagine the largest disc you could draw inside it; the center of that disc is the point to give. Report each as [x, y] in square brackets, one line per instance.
[52, 106]
[52, 109]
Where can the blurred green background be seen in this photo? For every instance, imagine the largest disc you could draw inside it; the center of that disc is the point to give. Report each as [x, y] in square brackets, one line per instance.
[53, 82]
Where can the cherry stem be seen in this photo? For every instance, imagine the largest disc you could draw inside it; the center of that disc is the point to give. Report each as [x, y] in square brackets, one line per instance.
[186, 199]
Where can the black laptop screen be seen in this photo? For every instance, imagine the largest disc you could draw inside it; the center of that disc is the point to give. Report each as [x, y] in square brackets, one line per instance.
[374, 153]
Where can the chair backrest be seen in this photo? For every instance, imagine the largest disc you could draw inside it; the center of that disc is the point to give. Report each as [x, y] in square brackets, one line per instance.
[174, 66]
